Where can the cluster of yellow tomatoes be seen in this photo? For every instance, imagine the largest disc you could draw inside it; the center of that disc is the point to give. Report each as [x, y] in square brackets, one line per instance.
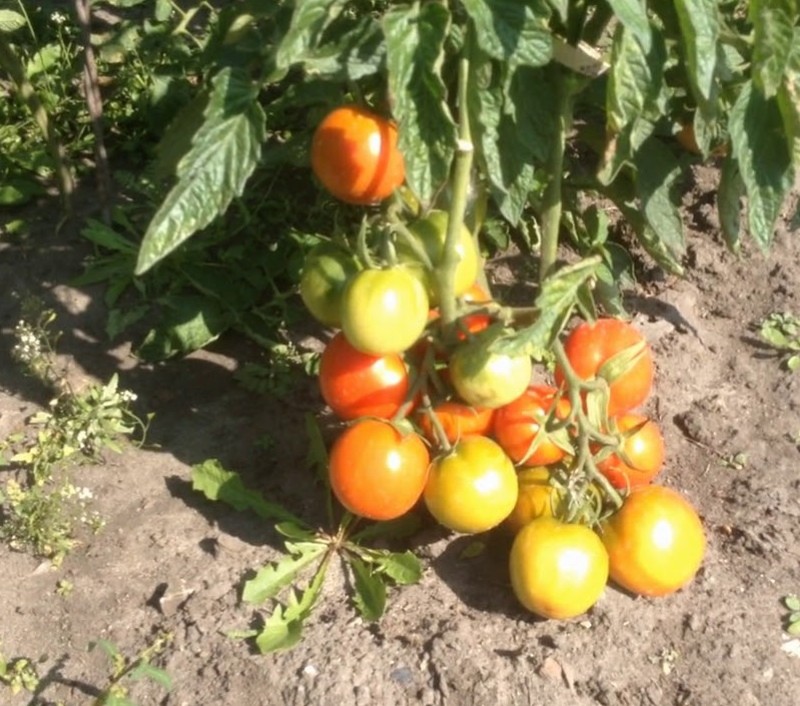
[439, 416]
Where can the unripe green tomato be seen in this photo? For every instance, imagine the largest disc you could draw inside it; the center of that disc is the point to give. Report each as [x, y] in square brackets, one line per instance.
[430, 233]
[326, 270]
[483, 378]
[384, 311]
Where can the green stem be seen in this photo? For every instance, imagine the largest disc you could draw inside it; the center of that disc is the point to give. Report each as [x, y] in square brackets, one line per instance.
[552, 201]
[462, 165]
[27, 93]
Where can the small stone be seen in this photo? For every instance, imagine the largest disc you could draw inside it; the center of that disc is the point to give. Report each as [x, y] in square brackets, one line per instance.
[310, 671]
[551, 669]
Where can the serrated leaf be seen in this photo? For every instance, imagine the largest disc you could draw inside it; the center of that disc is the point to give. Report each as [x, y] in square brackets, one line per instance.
[370, 590]
[225, 151]
[155, 674]
[764, 159]
[558, 296]
[729, 202]
[309, 20]
[773, 36]
[353, 55]
[278, 633]
[11, 21]
[415, 37]
[403, 568]
[512, 31]
[217, 483]
[633, 15]
[699, 22]
[633, 99]
[274, 577]
[657, 174]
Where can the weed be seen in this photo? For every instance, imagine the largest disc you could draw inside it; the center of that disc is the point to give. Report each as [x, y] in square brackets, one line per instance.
[782, 332]
[792, 618]
[18, 674]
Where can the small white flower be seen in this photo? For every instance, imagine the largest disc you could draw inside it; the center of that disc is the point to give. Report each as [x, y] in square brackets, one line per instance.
[128, 396]
[58, 18]
[85, 494]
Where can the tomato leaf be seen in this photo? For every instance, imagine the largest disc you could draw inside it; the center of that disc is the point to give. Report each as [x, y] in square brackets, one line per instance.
[515, 31]
[634, 99]
[555, 302]
[657, 175]
[764, 158]
[309, 20]
[224, 152]
[774, 37]
[275, 576]
[370, 590]
[700, 28]
[415, 37]
[729, 202]
[633, 15]
[355, 54]
[401, 527]
[217, 483]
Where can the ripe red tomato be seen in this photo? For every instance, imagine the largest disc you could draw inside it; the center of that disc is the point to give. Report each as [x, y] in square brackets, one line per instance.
[590, 346]
[354, 154]
[644, 451]
[557, 570]
[355, 384]
[473, 488]
[655, 541]
[326, 270]
[519, 426]
[430, 233]
[376, 471]
[384, 311]
[458, 420]
[486, 379]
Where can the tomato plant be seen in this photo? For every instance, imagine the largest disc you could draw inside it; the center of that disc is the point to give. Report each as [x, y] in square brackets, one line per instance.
[487, 379]
[376, 471]
[616, 352]
[642, 453]
[473, 488]
[355, 384]
[429, 235]
[457, 420]
[354, 154]
[520, 427]
[327, 269]
[557, 570]
[384, 311]
[537, 497]
[655, 541]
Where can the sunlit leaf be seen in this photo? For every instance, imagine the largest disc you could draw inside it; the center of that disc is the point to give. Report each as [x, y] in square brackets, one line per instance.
[271, 579]
[370, 590]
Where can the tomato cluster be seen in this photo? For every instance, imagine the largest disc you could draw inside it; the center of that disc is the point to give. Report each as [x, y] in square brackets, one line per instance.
[440, 416]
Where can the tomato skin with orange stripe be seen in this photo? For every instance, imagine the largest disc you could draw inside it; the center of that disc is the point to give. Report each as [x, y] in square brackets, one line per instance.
[354, 155]
[376, 471]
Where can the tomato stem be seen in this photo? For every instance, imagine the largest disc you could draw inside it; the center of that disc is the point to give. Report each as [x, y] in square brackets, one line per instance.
[400, 229]
[552, 198]
[462, 165]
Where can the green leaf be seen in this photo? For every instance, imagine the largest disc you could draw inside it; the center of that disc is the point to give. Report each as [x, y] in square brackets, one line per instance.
[773, 37]
[353, 55]
[278, 632]
[657, 175]
[370, 590]
[555, 302]
[793, 363]
[700, 28]
[399, 528]
[764, 159]
[11, 21]
[404, 568]
[789, 98]
[155, 674]
[513, 31]
[224, 152]
[729, 202]
[309, 21]
[216, 483]
[271, 579]
[633, 15]
[634, 99]
[415, 37]
[317, 457]
[793, 629]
